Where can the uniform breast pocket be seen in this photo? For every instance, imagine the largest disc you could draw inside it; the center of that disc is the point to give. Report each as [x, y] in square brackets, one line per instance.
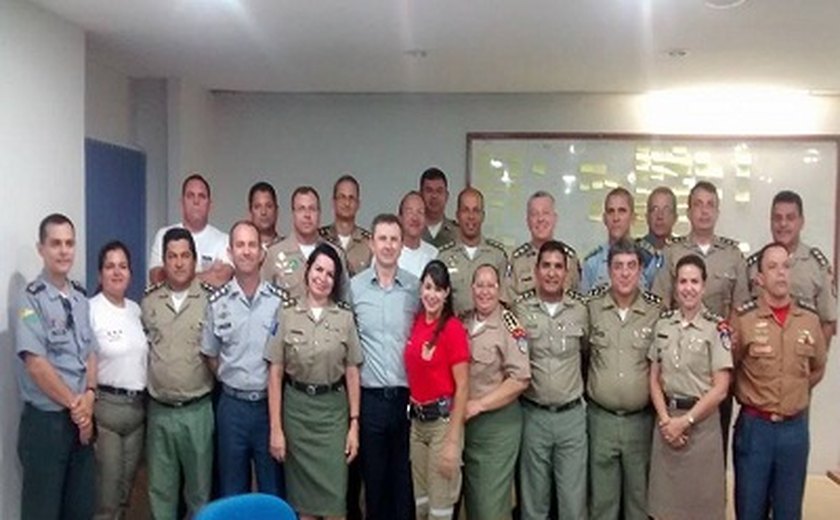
[484, 359]
[297, 347]
[804, 354]
[61, 341]
[570, 339]
[762, 357]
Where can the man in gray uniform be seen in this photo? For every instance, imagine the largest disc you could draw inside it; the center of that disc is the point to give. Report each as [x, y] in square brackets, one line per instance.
[56, 372]
[240, 318]
[621, 320]
[554, 424]
[179, 439]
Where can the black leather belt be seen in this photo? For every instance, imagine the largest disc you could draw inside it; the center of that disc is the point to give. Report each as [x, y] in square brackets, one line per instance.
[574, 403]
[680, 403]
[429, 412]
[619, 413]
[181, 404]
[386, 392]
[244, 395]
[124, 392]
[314, 389]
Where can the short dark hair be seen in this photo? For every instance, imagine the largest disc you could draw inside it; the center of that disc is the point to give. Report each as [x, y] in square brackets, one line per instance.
[763, 251]
[113, 245]
[53, 219]
[623, 192]
[624, 247]
[412, 193]
[552, 246]
[433, 174]
[195, 177]
[790, 197]
[303, 190]
[175, 234]
[243, 222]
[329, 251]
[702, 186]
[346, 178]
[263, 187]
[694, 260]
[468, 190]
[385, 218]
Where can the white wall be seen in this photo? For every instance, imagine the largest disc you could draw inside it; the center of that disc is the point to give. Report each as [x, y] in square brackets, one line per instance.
[387, 140]
[41, 171]
[107, 103]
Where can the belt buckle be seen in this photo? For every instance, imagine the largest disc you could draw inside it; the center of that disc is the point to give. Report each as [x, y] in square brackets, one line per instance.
[253, 396]
[131, 394]
[311, 389]
[776, 418]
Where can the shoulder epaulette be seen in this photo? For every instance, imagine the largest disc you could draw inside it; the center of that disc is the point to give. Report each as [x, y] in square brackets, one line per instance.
[675, 240]
[343, 305]
[598, 290]
[730, 242]
[79, 287]
[465, 315]
[713, 317]
[36, 287]
[820, 257]
[526, 295]
[448, 245]
[208, 287]
[645, 245]
[218, 293]
[512, 324]
[592, 253]
[324, 231]
[569, 250]
[365, 233]
[153, 287]
[807, 306]
[747, 307]
[753, 258]
[289, 301]
[453, 223]
[278, 291]
[651, 298]
[523, 250]
[667, 313]
[495, 243]
[575, 295]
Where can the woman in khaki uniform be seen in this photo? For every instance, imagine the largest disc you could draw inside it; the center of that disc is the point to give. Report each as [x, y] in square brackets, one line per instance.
[689, 376]
[499, 372]
[313, 391]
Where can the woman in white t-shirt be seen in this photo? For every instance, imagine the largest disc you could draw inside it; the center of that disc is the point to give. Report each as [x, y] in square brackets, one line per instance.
[121, 377]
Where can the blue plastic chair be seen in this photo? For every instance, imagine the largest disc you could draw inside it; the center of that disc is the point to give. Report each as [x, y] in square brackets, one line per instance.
[251, 506]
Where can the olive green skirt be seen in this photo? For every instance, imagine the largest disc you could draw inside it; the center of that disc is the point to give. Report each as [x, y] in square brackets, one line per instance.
[491, 445]
[315, 465]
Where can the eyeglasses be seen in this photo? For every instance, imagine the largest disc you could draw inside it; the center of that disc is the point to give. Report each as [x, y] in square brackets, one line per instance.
[68, 313]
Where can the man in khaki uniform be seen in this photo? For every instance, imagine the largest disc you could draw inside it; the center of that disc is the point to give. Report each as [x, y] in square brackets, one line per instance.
[811, 279]
[285, 262]
[780, 354]
[470, 250]
[541, 219]
[180, 416]
[435, 190]
[262, 209]
[621, 321]
[344, 232]
[554, 439]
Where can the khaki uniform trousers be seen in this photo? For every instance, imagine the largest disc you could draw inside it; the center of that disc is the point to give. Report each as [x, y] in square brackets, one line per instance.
[434, 495]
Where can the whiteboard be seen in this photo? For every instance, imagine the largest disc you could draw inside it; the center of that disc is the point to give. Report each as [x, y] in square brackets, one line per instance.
[580, 169]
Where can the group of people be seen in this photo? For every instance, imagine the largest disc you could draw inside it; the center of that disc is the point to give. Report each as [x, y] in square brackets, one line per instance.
[421, 364]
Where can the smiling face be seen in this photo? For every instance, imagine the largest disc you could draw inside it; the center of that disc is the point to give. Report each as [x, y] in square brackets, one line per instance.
[321, 277]
[541, 219]
[435, 194]
[115, 274]
[786, 223]
[625, 272]
[58, 249]
[346, 201]
[775, 273]
[432, 297]
[413, 216]
[703, 211]
[263, 212]
[306, 214]
[485, 289]
[690, 286]
[245, 249]
[386, 244]
[550, 273]
[195, 204]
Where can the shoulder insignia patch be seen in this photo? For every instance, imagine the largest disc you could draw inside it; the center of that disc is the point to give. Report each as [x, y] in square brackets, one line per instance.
[729, 242]
[218, 293]
[651, 298]
[747, 307]
[675, 240]
[569, 250]
[753, 258]
[324, 231]
[153, 287]
[344, 305]
[526, 295]
[667, 314]
[289, 301]
[207, 287]
[523, 250]
[278, 291]
[79, 287]
[446, 246]
[516, 330]
[807, 306]
[496, 244]
[644, 245]
[820, 258]
[365, 233]
[36, 287]
[597, 291]
[575, 295]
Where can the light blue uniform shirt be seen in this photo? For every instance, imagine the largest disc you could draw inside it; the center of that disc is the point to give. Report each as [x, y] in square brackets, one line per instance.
[596, 272]
[384, 318]
[236, 331]
[62, 336]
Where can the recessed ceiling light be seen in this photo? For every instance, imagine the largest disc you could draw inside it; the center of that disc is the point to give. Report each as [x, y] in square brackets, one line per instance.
[724, 4]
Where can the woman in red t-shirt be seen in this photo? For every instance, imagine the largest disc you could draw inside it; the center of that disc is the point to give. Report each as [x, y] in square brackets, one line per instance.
[436, 362]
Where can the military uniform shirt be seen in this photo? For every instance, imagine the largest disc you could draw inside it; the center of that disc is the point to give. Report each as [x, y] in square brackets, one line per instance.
[618, 365]
[62, 337]
[773, 363]
[690, 353]
[461, 268]
[176, 370]
[810, 279]
[357, 252]
[315, 350]
[498, 351]
[448, 232]
[726, 283]
[236, 331]
[520, 278]
[285, 266]
[596, 271]
[555, 345]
